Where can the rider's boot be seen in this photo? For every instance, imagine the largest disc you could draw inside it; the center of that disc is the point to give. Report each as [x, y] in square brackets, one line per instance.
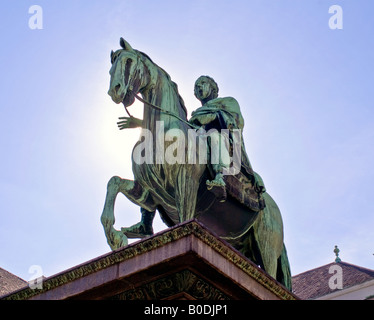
[218, 187]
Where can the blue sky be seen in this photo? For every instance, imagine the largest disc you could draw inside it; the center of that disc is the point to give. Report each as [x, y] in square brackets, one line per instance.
[306, 93]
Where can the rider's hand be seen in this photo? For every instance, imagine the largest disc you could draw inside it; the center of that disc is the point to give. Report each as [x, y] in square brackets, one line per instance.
[129, 122]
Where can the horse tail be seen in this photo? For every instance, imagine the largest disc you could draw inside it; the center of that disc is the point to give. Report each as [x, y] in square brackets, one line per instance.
[284, 270]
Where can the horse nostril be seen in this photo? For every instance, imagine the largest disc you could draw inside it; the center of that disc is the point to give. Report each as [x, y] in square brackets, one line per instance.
[117, 87]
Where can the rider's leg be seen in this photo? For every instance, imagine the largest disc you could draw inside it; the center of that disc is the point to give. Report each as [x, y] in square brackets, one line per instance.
[219, 160]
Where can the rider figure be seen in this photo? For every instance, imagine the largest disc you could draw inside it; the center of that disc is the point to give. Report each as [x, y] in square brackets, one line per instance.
[220, 113]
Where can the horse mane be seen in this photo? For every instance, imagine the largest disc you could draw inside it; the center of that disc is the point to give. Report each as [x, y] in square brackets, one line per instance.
[174, 85]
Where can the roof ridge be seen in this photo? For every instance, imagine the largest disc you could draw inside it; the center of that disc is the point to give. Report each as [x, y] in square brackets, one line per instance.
[316, 268]
[363, 269]
[12, 274]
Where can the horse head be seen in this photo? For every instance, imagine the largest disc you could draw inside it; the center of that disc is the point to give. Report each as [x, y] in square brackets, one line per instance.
[126, 74]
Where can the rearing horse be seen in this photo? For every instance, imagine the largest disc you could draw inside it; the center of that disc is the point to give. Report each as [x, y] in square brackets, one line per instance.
[159, 183]
[177, 190]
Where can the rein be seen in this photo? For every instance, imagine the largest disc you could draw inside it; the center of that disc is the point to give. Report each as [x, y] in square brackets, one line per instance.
[164, 111]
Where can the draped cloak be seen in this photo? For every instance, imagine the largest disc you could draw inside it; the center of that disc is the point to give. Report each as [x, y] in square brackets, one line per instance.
[224, 113]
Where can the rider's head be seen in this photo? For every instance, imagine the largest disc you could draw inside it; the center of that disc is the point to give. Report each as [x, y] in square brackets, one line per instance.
[205, 89]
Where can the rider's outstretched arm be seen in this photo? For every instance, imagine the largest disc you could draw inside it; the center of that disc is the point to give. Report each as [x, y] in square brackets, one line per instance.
[129, 122]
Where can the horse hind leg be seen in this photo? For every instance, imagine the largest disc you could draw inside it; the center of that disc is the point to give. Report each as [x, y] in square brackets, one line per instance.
[143, 228]
[284, 270]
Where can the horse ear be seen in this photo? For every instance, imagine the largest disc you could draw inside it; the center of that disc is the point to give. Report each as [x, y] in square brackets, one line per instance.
[125, 45]
[111, 56]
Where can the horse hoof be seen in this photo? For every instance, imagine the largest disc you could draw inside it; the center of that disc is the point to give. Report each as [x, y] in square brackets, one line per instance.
[138, 230]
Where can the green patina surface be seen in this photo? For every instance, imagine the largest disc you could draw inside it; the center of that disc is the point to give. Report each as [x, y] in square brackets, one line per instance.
[183, 191]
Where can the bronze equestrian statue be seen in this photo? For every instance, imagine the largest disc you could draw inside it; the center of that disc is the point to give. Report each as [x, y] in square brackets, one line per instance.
[191, 169]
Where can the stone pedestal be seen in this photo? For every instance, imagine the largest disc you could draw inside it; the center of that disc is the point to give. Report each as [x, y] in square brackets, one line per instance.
[186, 262]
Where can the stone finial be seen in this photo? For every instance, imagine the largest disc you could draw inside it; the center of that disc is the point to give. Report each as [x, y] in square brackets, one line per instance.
[336, 251]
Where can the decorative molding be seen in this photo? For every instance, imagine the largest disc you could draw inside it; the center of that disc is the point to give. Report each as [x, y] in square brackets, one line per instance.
[184, 282]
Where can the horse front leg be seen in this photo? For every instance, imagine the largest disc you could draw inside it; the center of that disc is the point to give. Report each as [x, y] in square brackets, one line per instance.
[136, 194]
[116, 239]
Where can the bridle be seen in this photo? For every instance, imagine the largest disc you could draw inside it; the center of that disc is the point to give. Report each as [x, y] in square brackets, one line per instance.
[131, 87]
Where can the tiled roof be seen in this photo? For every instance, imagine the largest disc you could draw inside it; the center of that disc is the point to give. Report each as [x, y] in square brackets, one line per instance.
[315, 283]
[9, 282]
